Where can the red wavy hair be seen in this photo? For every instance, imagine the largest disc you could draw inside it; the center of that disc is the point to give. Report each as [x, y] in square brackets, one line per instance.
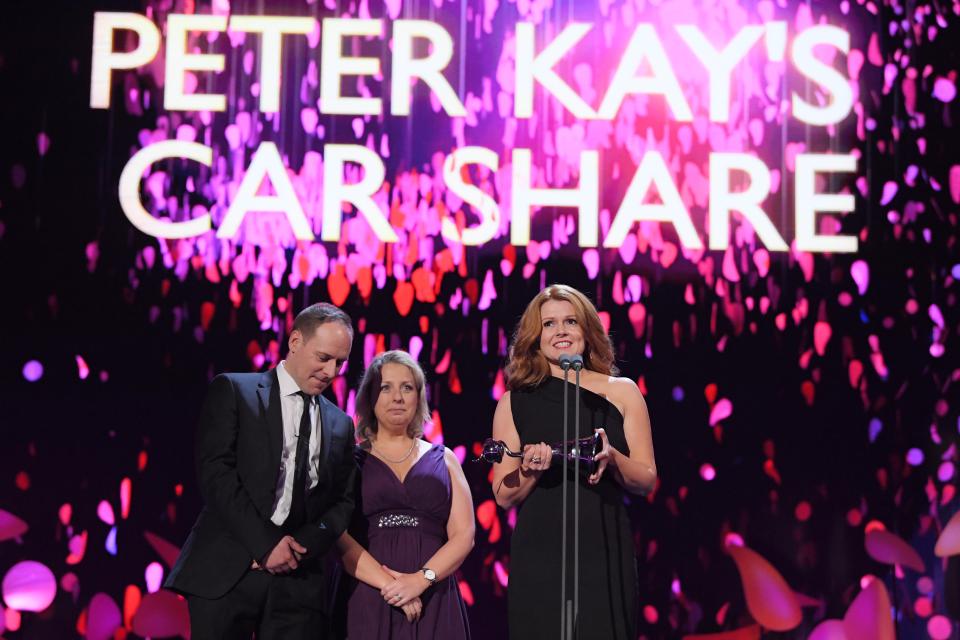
[527, 367]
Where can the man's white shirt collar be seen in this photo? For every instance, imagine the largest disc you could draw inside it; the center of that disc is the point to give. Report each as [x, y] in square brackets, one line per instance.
[288, 386]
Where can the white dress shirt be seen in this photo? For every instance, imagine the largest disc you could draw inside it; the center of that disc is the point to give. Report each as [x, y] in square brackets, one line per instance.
[291, 407]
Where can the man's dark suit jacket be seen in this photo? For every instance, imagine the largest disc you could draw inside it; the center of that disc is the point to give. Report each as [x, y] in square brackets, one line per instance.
[238, 452]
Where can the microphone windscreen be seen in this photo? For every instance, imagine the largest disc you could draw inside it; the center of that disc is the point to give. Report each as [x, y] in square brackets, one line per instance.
[576, 362]
[565, 362]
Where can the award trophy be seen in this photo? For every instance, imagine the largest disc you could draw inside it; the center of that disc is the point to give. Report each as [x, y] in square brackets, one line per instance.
[583, 448]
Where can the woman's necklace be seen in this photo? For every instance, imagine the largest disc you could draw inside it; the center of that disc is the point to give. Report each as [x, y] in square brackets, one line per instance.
[391, 461]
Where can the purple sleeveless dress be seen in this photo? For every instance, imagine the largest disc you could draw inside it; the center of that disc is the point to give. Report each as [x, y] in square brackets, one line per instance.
[402, 524]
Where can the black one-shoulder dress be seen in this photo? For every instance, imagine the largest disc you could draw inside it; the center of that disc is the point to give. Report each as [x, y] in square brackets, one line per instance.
[608, 568]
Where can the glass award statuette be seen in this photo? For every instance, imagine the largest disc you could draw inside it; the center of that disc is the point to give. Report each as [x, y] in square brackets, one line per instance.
[584, 448]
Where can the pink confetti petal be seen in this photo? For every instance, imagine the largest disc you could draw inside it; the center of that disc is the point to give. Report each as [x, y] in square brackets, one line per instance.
[617, 289]
[721, 411]
[103, 617]
[489, 292]
[232, 134]
[940, 628]
[806, 601]
[806, 264]
[854, 63]
[70, 583]
[43, 143]
[309, 119]
[860, 272]
[161, 615]
[153, 576]
[730, 266]
[11, 527]
[821, 336]
[936, 316]
[829, 630]
[32, 371]
[83, 371]
[466, 592]
[733, 540]
[948, 543]
[944, 90]
[628, 250]
[591, 260]
[888, 548]
[105, 513]
[668, 255]
[637, 314]
[29, 586]
[761, 259]
[634, 288]
[770, 599]
[869, 614]
[11, 619]
[503, 577]
[889, 191]
[955, 183]
[187, 133]
[879, 364]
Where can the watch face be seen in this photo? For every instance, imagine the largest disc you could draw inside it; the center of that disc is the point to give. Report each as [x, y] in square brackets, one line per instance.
[429, 574]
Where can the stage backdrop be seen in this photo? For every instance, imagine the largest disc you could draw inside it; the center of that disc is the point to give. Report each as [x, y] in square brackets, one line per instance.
[760, 197]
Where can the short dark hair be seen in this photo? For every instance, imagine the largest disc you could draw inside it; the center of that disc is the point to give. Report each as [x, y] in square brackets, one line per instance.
[320, 313]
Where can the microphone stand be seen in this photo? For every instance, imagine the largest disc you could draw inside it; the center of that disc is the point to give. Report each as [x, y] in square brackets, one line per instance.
[565, 615]
[577, 364]
[570, 609]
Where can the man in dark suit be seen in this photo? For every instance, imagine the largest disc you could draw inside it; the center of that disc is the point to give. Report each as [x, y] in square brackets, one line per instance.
[276, 470]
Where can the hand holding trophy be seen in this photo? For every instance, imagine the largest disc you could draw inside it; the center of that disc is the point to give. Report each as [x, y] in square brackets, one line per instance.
[585, 448]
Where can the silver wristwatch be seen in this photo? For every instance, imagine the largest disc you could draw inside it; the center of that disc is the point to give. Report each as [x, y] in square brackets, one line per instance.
[429, 574]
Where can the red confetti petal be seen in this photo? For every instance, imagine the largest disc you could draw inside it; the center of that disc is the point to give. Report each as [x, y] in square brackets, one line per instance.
[167, 551]
[769, 598]
[403, 298]
[338, 286]
[126, 487]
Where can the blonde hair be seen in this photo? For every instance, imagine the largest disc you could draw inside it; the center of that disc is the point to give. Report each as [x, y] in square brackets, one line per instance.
[527, 367]
[369, 392]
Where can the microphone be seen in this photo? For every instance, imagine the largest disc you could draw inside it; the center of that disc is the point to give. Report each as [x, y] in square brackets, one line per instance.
[575, 361]
[566, 362]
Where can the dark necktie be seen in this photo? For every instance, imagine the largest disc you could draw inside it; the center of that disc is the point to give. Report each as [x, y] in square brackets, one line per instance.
[298, 504]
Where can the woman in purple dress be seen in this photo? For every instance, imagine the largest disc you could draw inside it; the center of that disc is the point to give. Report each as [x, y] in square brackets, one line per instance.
[413, 523]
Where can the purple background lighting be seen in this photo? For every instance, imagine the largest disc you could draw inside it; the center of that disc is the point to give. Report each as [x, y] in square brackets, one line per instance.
[805, 407]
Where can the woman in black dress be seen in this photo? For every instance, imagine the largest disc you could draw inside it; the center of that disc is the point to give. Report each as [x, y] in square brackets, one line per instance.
[562, 321]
